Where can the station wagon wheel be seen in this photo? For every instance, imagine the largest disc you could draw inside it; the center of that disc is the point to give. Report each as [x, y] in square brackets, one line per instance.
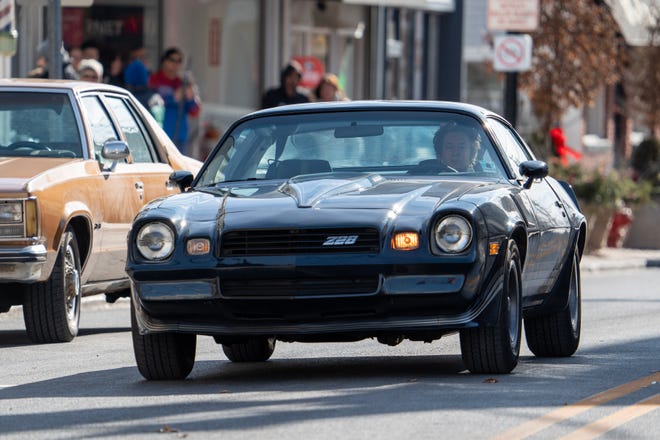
[495, 350]
[558, 334]
[51, 309]
[163, 356]
[254, 350]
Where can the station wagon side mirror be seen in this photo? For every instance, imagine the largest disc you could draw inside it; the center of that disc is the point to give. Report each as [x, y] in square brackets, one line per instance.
[182, 178]
[533, 169]
[115, 151]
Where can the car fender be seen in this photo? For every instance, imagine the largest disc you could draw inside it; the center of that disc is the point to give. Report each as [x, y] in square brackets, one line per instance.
[77, 214]
[557, 299]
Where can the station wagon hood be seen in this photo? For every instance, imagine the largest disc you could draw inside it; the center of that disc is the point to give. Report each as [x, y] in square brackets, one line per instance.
[16, 172]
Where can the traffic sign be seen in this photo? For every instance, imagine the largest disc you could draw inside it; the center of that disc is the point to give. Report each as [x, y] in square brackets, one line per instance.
[512, 53]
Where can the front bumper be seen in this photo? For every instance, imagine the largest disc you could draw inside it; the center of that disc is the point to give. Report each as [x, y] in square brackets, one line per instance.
[23, 264]
[410, 304]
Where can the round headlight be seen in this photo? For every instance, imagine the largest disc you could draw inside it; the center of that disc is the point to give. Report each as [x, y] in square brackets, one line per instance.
[453, 234]
[155, 241]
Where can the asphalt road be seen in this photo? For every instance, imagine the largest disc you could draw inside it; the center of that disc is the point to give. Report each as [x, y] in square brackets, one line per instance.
[90, 388]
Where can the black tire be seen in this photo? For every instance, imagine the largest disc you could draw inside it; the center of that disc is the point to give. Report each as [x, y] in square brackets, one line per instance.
[495, 350]
[558, 334]
[163, 356]
[51, 309]
[254, 350]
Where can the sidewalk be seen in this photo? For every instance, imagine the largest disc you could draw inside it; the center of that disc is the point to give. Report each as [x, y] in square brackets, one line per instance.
[620, 258]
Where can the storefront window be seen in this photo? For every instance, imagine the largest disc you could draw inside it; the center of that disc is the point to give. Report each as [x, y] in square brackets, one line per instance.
[324, 37]
[114, 29]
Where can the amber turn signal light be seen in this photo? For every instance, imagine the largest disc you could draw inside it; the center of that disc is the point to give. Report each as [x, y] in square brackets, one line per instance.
[405, 241]
[198, 246]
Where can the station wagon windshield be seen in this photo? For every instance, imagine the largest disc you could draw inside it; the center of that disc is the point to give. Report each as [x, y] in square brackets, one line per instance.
[38, 124]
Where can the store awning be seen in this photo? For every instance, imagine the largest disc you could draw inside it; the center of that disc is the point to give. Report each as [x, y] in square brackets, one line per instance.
[426, 5]
[634, 18]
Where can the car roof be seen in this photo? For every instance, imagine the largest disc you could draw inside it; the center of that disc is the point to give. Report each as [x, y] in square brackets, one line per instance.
[64, 84]
[370, 105]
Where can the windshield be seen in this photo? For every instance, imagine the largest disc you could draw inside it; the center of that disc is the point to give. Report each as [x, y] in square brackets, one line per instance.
[384, 142]
[38, 124]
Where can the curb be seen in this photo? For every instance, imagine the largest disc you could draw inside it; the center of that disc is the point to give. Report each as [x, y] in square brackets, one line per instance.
[594, 264]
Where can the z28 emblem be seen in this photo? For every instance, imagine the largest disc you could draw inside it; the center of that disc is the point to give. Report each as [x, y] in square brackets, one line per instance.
[340, 240]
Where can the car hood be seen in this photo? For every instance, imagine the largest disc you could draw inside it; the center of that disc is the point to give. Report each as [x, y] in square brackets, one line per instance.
[273, 202]
[16, 172]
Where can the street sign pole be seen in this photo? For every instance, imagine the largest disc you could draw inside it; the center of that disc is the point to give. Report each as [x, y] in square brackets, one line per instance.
[511, 97]
[55, 39]
[513, 17]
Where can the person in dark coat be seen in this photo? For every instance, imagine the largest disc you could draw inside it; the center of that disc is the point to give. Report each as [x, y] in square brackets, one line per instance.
[136, 79]
[287, 92]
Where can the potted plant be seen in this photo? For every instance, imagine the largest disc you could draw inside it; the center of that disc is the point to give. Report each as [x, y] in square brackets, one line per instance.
[600, 194]
[645, 161]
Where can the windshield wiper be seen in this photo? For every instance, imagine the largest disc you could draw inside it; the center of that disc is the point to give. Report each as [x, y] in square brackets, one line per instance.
[237, 180]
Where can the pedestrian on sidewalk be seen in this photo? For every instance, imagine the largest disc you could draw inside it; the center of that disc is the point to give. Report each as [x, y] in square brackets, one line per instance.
[136, 80]
[90, 70]
[329, 89]
[179, 94]
[287, 92]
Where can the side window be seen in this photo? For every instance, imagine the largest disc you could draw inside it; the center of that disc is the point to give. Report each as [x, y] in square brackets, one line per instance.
[100, 124]
[514, 151]
[138, 143]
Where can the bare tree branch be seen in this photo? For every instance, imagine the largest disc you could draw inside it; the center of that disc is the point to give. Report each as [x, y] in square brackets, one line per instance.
[577, 51]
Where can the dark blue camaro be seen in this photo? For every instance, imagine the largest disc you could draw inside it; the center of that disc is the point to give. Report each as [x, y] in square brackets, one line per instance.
[345, 221]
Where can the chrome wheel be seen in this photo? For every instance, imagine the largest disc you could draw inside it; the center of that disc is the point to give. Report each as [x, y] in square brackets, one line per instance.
[513, 308]
[72, 290]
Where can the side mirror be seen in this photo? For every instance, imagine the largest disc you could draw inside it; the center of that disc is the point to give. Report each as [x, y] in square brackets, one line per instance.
[533, 169]
[115, 151]
[182, 178]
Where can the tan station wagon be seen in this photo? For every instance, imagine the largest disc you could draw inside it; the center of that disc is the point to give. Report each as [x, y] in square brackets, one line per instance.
[77, 162]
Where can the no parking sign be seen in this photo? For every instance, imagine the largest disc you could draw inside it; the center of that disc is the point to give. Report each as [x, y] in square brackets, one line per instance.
[512, 53]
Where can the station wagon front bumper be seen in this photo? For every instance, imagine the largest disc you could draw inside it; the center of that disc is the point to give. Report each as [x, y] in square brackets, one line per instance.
[23, 264]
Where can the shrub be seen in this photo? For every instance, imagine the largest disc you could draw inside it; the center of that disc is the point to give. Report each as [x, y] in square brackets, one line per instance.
[598, 188]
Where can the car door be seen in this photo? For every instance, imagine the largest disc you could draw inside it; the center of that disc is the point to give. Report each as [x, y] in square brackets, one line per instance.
[119, 198]
[152, 172]
[128, 185]
[548, 225]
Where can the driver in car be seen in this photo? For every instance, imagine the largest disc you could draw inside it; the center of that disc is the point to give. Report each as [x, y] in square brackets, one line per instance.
[456, 147]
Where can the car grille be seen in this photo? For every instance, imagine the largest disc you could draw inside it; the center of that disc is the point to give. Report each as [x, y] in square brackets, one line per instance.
[12, 231]
[298, 287]
[300, 241]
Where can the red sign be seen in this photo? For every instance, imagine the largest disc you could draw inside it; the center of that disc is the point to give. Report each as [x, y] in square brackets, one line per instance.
[313, 71]
[215, 38]
[73, 26]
